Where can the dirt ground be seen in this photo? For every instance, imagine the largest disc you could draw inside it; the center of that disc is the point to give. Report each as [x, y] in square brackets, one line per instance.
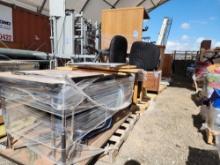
[168, 134]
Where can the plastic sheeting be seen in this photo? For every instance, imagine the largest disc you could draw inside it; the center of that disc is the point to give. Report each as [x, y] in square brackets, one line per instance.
[51, 114]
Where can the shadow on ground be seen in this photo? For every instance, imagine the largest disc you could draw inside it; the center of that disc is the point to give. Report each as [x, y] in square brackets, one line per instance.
[202, 157]
[132, 162]
[197, 122]
[181, 81]
[197, 98]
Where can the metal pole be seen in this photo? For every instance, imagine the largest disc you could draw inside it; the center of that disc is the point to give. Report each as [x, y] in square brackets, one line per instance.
[63, 134]
[82, 34]
[53, 122]
[53, 39]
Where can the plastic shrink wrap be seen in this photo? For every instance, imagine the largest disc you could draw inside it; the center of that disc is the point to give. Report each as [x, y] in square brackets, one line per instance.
[51, 113]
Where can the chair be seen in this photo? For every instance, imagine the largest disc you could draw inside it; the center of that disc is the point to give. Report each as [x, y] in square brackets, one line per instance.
[117, 51]
[145, 56]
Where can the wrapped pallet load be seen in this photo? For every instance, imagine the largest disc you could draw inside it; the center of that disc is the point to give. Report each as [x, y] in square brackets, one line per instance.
[53, 112]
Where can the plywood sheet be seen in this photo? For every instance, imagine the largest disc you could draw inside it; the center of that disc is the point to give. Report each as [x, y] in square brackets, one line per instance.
[127, 22]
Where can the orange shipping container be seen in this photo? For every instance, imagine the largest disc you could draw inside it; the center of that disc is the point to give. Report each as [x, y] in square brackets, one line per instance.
[31, 30]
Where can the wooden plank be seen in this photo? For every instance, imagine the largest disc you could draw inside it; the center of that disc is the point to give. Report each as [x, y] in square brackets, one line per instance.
[120, 131]
[135, 93]
[47, 76]
[114, 138]
[126, 125]
[123, 68]
[91, 65]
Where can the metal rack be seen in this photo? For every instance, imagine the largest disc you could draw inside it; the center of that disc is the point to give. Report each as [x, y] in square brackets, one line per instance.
[74, 37]
[86, 42]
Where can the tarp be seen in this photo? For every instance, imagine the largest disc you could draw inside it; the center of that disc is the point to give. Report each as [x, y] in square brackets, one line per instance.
[91, 8]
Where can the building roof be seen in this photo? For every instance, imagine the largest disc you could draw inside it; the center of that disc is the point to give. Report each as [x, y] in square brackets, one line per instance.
[91, 8]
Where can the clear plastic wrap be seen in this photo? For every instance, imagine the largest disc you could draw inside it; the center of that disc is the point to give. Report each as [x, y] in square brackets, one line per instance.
[51, 115]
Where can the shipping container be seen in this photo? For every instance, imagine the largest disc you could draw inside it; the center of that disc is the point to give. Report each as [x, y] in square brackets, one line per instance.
[31, 31]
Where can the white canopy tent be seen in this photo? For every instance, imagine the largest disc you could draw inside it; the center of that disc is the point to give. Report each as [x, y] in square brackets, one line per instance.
[90, 8]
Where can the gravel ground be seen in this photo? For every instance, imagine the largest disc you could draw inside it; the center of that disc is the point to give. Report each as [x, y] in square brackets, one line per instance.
[167, 134]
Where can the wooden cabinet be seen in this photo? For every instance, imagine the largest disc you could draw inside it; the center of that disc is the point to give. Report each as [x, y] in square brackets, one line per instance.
[125, 21]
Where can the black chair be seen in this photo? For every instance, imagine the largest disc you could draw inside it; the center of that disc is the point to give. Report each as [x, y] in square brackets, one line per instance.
[144, 55]
[117, 51]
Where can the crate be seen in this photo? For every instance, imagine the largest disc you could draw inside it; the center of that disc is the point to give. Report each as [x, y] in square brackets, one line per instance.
[152, 81]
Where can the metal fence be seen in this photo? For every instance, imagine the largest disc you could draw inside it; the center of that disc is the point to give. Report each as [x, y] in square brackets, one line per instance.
[185, 55]
[182, 60]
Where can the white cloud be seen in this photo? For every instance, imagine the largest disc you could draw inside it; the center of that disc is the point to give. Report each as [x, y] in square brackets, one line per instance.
[177, 45]
[185, 37]
[185, 25]
[189, 44]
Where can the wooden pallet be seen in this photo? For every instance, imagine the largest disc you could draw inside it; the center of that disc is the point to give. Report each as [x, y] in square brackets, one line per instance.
[143, 104]
[162, 88]
[25, 156]
[145, 101]
[118, 138]
[152, 96]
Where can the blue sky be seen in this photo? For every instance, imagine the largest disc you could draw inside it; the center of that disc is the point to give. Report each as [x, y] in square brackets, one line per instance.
[193, 21]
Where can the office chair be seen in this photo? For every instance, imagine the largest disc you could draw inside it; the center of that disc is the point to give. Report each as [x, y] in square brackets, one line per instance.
[117, 50]
[144, 55]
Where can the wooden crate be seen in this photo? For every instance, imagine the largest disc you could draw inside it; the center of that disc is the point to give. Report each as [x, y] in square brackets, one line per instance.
[152, 82]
